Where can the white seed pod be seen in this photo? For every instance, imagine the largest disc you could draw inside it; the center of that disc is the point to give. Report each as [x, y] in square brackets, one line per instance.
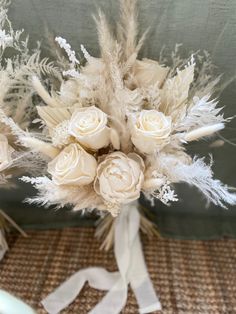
[43, 93]
[40, 146]
[203, 131]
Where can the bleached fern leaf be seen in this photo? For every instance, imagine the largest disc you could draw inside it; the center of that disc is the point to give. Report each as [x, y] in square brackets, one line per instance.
[35, 66]
[52, 194]
[203, 111]
[198, 174]
[15, 129]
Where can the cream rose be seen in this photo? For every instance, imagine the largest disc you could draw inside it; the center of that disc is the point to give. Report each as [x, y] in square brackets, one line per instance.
[89, 126]
[5, 153]
[73, 166]
[149, 72]
[119, 178]
[150, 130]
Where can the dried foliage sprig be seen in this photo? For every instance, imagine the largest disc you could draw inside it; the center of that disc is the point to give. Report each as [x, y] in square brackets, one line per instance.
[17, 104]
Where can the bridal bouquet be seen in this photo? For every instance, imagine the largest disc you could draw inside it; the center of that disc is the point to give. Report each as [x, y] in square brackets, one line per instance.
[111, 128]
[15, 104]
[119, 126]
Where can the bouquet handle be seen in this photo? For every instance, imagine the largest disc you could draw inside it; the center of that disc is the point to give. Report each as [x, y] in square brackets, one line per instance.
[132, 270]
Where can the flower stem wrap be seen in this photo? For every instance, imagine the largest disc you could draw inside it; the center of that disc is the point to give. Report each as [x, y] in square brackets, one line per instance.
[132, 270]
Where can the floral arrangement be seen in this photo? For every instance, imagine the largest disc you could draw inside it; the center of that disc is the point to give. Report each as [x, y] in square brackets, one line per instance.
[15, 104]
[109, 129]
[119, 126]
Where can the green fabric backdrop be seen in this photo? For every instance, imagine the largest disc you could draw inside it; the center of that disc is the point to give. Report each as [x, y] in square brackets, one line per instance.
[203, 24]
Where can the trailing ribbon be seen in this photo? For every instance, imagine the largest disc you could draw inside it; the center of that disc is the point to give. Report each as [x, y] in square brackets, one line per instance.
[132, 270]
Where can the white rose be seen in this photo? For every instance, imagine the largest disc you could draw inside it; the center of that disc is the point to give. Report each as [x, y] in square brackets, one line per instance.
[119, 178]
[150, 130]
[89, 126]
[73, 166]
[5, 153]
[149, 72]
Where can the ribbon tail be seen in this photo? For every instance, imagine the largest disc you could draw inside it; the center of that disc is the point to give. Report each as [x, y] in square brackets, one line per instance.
[139, 278]
[114, 300]
[132, 267]
[141, 283]
[66, 293]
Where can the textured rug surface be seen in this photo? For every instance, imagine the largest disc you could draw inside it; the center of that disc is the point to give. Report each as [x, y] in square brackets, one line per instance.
[190, 276]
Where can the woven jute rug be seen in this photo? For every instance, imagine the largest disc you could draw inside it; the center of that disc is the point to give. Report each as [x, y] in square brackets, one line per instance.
[189, 276]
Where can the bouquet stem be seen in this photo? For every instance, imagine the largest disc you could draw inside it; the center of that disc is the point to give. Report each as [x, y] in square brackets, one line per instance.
[132, 271]
[106, 228]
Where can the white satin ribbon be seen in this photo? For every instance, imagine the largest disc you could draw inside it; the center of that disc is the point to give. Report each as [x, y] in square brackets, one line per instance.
[3, 245]
[132, 270]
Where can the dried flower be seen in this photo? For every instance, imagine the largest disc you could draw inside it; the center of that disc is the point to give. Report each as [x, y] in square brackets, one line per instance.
[148, 72]
[45, 148]
[150, 130]
[119, 178]
[203, 132]
[89, 127]
[115, 106]
[71, 53]
[73, 166]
